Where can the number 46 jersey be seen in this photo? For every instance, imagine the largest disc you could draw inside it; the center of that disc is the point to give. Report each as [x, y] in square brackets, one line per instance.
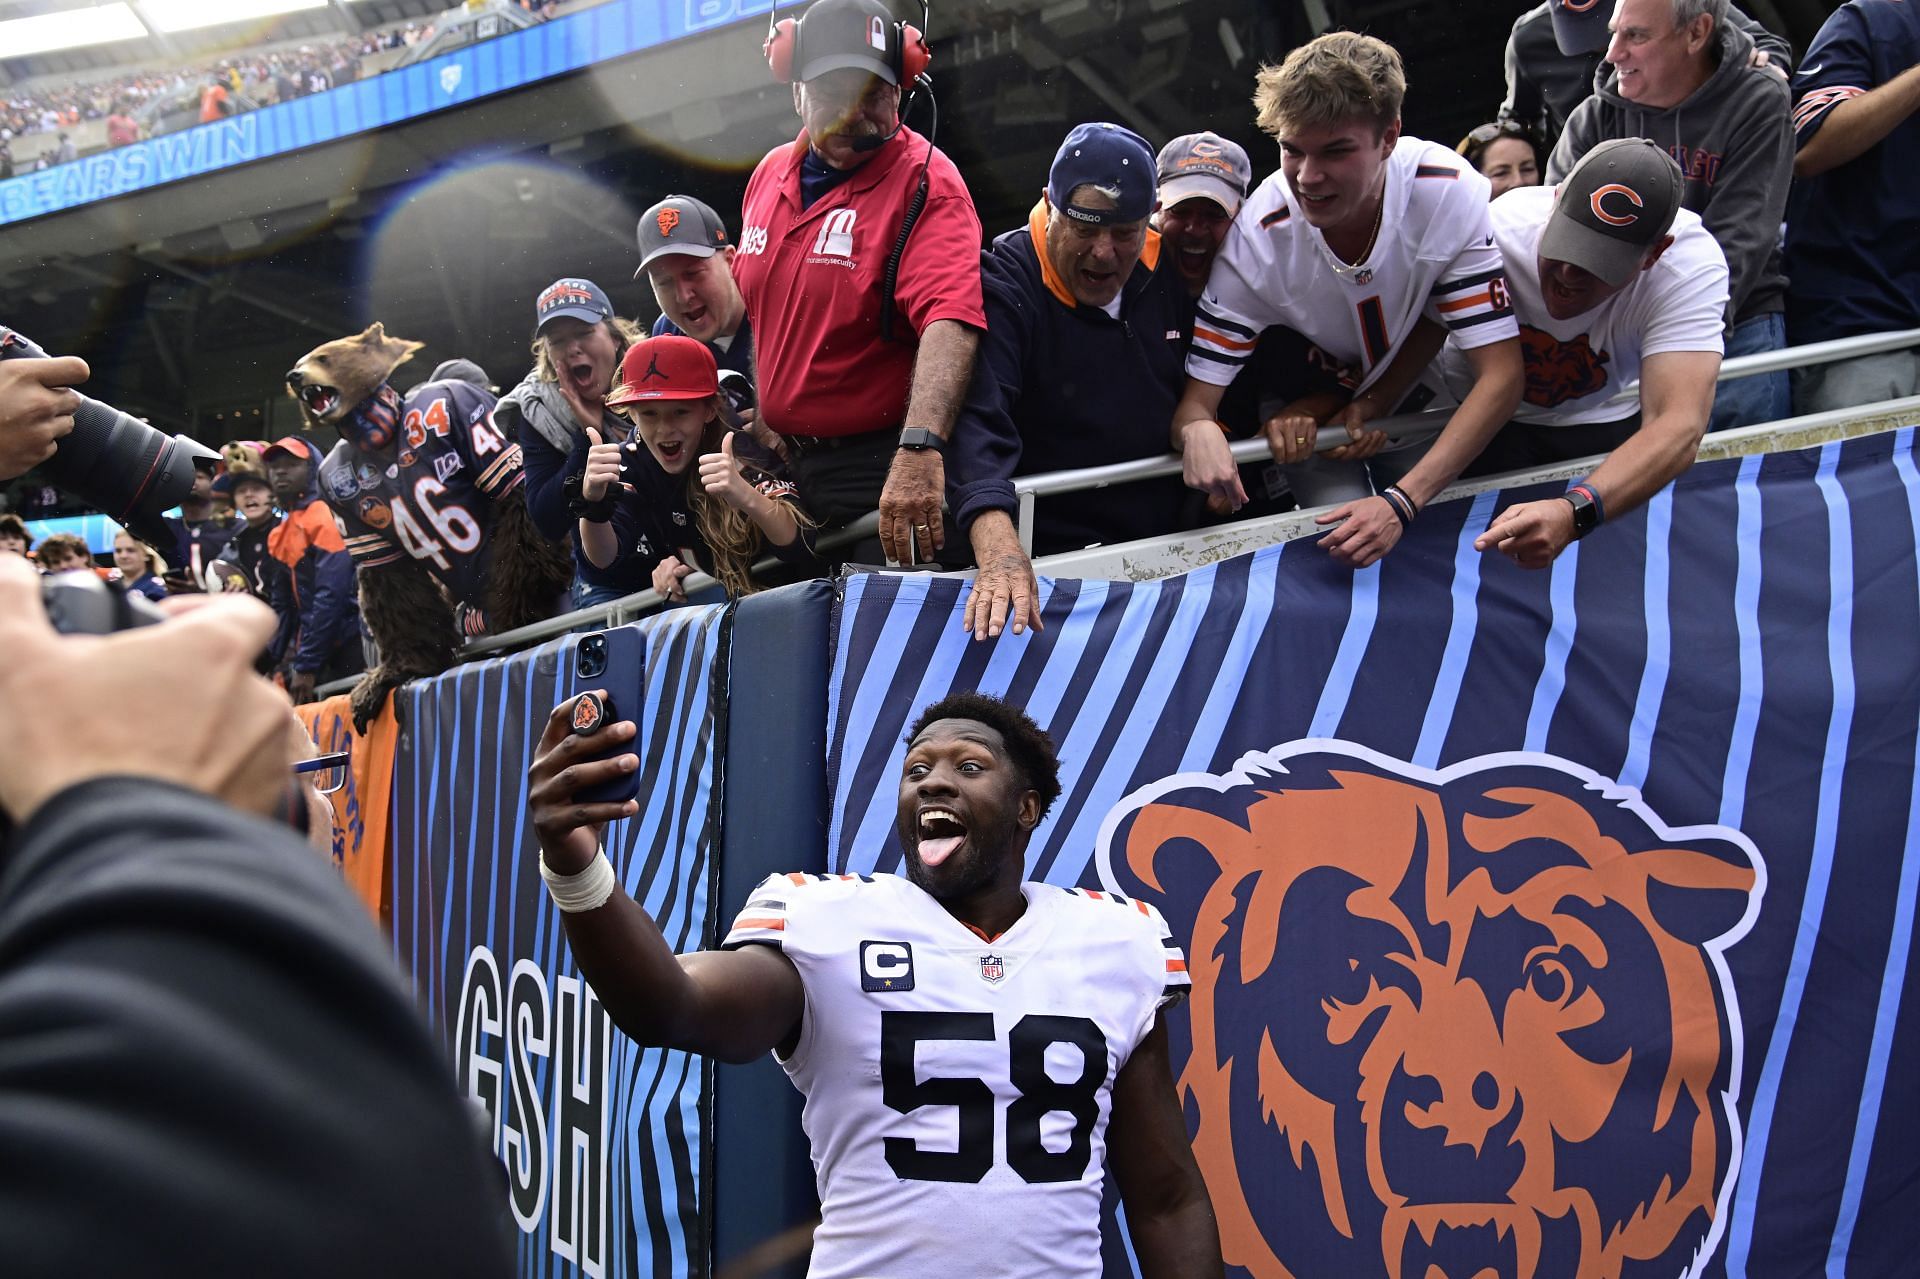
[957, 1089]
[433, 499]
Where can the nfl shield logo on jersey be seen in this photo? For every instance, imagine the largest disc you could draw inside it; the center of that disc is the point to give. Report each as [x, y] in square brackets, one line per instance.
[992, 969]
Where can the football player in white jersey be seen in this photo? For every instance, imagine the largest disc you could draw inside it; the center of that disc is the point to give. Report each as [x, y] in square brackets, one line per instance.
[973, 1050]
[1375, 247]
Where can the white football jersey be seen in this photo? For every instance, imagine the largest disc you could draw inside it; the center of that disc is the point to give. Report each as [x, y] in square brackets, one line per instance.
[958, 1089]
[1577, 369]
[1434, 255]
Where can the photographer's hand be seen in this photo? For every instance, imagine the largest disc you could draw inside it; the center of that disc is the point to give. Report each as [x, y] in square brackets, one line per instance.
[79, 707]
[36, 408]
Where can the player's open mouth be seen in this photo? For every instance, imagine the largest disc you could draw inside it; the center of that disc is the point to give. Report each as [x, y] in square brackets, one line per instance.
[318, 400]
[941, 833]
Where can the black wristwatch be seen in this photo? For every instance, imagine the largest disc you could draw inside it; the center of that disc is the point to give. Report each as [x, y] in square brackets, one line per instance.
[917, 439]
[1586, 510]
[578, 505]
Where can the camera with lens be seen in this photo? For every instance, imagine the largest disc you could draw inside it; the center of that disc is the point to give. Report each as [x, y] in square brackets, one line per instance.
[117, 463]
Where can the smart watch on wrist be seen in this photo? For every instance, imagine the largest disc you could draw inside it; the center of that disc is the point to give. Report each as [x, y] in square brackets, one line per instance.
[918, 439]
[1586, 510]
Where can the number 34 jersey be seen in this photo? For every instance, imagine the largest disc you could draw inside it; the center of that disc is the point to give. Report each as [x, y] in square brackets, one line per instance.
[433, 498]
[958, 1090]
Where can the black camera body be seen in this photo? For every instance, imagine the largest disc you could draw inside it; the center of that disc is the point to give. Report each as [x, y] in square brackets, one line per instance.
[117, 463]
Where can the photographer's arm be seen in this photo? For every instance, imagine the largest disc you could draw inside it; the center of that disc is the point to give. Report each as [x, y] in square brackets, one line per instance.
[36, 409]
[733, 1004]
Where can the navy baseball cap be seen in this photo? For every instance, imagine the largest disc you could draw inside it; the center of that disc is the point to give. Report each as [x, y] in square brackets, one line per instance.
[1105, 155]
[1580, 26]
[571, 299]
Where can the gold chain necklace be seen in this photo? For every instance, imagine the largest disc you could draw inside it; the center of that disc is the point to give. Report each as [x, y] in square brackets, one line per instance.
[1359, 272]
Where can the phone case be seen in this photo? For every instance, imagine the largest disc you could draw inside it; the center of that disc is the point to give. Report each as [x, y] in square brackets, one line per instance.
[624, 650]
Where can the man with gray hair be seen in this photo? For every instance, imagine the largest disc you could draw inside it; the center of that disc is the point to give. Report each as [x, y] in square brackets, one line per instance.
[1679, 73]
[1080, 366]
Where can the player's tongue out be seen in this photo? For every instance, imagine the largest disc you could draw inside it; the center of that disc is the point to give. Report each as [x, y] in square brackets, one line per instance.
[941, 834]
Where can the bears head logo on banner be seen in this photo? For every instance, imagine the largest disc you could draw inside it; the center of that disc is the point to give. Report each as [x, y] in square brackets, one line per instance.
[1467, 1022]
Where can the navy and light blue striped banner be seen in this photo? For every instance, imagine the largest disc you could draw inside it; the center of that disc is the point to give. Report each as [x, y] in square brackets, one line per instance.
[611, 30]
[1680, 986]
[605, 1143]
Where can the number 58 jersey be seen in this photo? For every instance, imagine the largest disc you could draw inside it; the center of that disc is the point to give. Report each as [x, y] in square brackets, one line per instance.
[958, 1089]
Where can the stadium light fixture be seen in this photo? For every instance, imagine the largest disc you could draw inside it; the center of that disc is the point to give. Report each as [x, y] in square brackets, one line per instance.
[70, 29]
[187, 15]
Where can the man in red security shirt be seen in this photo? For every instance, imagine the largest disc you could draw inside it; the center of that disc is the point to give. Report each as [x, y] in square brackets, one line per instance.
[820, 220]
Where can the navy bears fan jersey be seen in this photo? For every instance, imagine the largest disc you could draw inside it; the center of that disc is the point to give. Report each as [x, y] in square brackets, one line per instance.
[958, 1090]
[434, 499]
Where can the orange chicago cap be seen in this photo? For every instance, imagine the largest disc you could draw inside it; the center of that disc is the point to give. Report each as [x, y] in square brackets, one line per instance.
[666, 368]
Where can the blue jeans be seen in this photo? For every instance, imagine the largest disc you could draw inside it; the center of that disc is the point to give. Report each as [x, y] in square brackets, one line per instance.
[1767, 397]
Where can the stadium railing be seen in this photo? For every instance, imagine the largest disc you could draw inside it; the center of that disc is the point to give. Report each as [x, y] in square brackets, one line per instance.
[1029, 488]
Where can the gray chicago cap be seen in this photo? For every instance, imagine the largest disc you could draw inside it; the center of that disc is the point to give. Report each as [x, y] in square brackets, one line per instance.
[680, 224]
[1203, 164]
[1614, 206]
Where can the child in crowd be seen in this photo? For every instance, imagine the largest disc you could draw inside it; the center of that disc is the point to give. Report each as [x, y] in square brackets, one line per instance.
[62, 553]
[680, 490]
[140, 568]
[14, 538]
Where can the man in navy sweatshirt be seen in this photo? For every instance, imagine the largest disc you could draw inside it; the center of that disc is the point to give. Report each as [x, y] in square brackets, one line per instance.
[1081, 365]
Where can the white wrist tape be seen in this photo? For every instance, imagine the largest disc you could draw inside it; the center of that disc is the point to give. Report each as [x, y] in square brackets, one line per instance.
[588, 890]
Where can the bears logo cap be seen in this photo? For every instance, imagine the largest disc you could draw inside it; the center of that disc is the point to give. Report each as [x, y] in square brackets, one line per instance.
[840, 34]
[1105, 155]
[669, 367]
[1205, 165]
[1614, 206]
[680, 224]
[571, 299]
[1580, 26]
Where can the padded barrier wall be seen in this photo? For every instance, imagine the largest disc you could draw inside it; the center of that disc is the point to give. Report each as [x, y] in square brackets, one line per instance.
[1554, 923]
[604, 1143]
[1541, 923]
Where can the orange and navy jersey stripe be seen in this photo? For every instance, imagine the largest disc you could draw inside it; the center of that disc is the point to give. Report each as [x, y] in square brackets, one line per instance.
[763, 920]
[1473, 300]
[1175, 980]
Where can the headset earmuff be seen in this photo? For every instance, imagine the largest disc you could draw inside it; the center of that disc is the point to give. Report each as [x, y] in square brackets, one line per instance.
[779, 48]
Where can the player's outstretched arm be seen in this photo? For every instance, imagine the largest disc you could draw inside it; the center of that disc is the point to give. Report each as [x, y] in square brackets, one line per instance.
[1168, 1212]
[733, 1005]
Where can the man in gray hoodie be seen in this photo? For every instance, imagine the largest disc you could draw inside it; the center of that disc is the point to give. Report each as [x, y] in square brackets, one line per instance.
[1677, 72]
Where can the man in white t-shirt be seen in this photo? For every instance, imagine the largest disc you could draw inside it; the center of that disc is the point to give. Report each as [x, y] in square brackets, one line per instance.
[1614, 283]
[1374, 247]
[973, 1050]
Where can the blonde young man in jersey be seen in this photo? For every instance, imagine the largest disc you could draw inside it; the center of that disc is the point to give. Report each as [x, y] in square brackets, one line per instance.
[962, 1039]
[1375, 247]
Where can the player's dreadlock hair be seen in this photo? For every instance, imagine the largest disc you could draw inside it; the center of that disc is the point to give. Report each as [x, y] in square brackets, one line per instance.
[1331, 79]
[1028, 745]
[731, 535]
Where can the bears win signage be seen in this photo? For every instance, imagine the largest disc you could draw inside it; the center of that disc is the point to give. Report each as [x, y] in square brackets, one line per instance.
[1540, 924]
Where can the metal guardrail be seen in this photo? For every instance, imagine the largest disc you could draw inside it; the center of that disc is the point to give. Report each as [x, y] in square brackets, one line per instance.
[1028, 488]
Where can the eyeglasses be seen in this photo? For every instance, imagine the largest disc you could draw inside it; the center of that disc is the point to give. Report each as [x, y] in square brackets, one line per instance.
[325, 773]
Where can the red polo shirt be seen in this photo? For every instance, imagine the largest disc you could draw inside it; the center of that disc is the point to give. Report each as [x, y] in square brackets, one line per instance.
[811, 280]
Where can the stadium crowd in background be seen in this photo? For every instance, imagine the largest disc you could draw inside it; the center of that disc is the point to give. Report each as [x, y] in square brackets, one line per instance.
[1369, 274]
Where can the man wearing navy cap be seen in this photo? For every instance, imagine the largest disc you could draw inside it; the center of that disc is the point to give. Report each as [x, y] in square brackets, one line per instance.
[1081, 366]
[687, 259]
[864, 389]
